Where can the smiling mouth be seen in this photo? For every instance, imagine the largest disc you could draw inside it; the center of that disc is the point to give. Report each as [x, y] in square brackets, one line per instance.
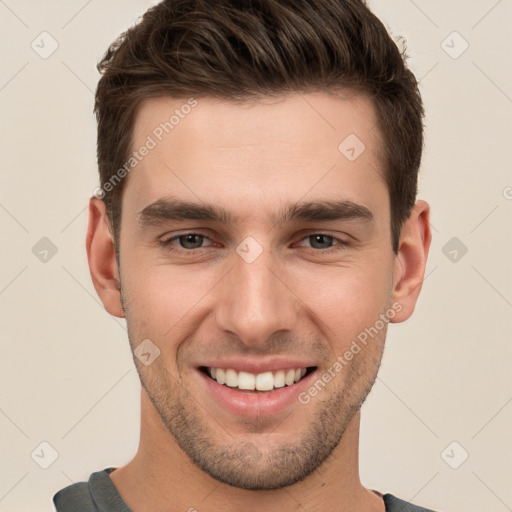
[261, 382]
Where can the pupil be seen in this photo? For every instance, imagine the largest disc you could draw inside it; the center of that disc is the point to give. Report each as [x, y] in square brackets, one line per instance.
[325, 238]
[189, 239]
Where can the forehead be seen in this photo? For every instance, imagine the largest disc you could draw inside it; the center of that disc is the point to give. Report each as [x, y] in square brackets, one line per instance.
[261, 150]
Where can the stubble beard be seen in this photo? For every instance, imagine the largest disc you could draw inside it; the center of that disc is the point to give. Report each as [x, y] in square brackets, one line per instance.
[249, 465]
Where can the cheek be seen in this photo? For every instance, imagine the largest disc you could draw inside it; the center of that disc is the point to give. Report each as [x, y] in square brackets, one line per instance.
[346, 299]
[164, 300]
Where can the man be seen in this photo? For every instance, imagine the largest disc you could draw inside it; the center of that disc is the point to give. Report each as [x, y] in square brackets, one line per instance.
[257, 226]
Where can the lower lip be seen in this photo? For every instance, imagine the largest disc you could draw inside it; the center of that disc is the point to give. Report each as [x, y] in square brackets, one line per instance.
[257, 404]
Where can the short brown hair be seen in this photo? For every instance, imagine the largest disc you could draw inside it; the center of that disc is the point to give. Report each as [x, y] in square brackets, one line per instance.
[241, 49]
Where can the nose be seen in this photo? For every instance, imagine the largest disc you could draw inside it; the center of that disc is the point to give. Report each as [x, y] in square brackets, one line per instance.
[256, 302]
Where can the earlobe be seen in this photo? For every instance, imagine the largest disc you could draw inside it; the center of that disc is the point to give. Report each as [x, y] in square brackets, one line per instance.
[102, 258]
[411, 260]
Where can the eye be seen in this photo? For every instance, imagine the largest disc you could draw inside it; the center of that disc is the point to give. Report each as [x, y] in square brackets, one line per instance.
[323, 241]
[187, 241]
[191, 242]
[320, 241]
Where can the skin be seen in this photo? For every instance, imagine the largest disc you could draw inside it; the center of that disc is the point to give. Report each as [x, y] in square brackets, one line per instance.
[296, 299]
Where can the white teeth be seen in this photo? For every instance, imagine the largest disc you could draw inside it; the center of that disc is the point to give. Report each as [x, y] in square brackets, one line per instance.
[265, 381]
[220, 376]
[289, 378]
[246, 380]
[231, 378]
[279, 379]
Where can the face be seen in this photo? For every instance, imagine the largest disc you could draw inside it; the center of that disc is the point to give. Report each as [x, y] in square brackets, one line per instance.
[255, 250]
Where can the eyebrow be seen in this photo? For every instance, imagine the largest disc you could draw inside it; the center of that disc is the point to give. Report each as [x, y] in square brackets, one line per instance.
[174, 209]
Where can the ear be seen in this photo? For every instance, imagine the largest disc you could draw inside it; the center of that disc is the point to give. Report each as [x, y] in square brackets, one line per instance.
[411, 260]
[102, 258]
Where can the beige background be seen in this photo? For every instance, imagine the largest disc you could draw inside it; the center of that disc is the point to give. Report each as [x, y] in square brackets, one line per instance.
[67, 377]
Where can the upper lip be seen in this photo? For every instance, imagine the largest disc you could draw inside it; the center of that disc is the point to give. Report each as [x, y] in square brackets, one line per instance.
[256, 366]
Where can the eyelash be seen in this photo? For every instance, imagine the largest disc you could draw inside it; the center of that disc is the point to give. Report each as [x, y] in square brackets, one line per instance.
[166, 244]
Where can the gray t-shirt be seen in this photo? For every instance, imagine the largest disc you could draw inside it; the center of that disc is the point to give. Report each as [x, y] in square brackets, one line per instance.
[100, 495]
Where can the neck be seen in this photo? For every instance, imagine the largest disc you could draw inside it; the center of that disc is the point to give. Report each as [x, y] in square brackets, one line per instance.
[161, 473]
